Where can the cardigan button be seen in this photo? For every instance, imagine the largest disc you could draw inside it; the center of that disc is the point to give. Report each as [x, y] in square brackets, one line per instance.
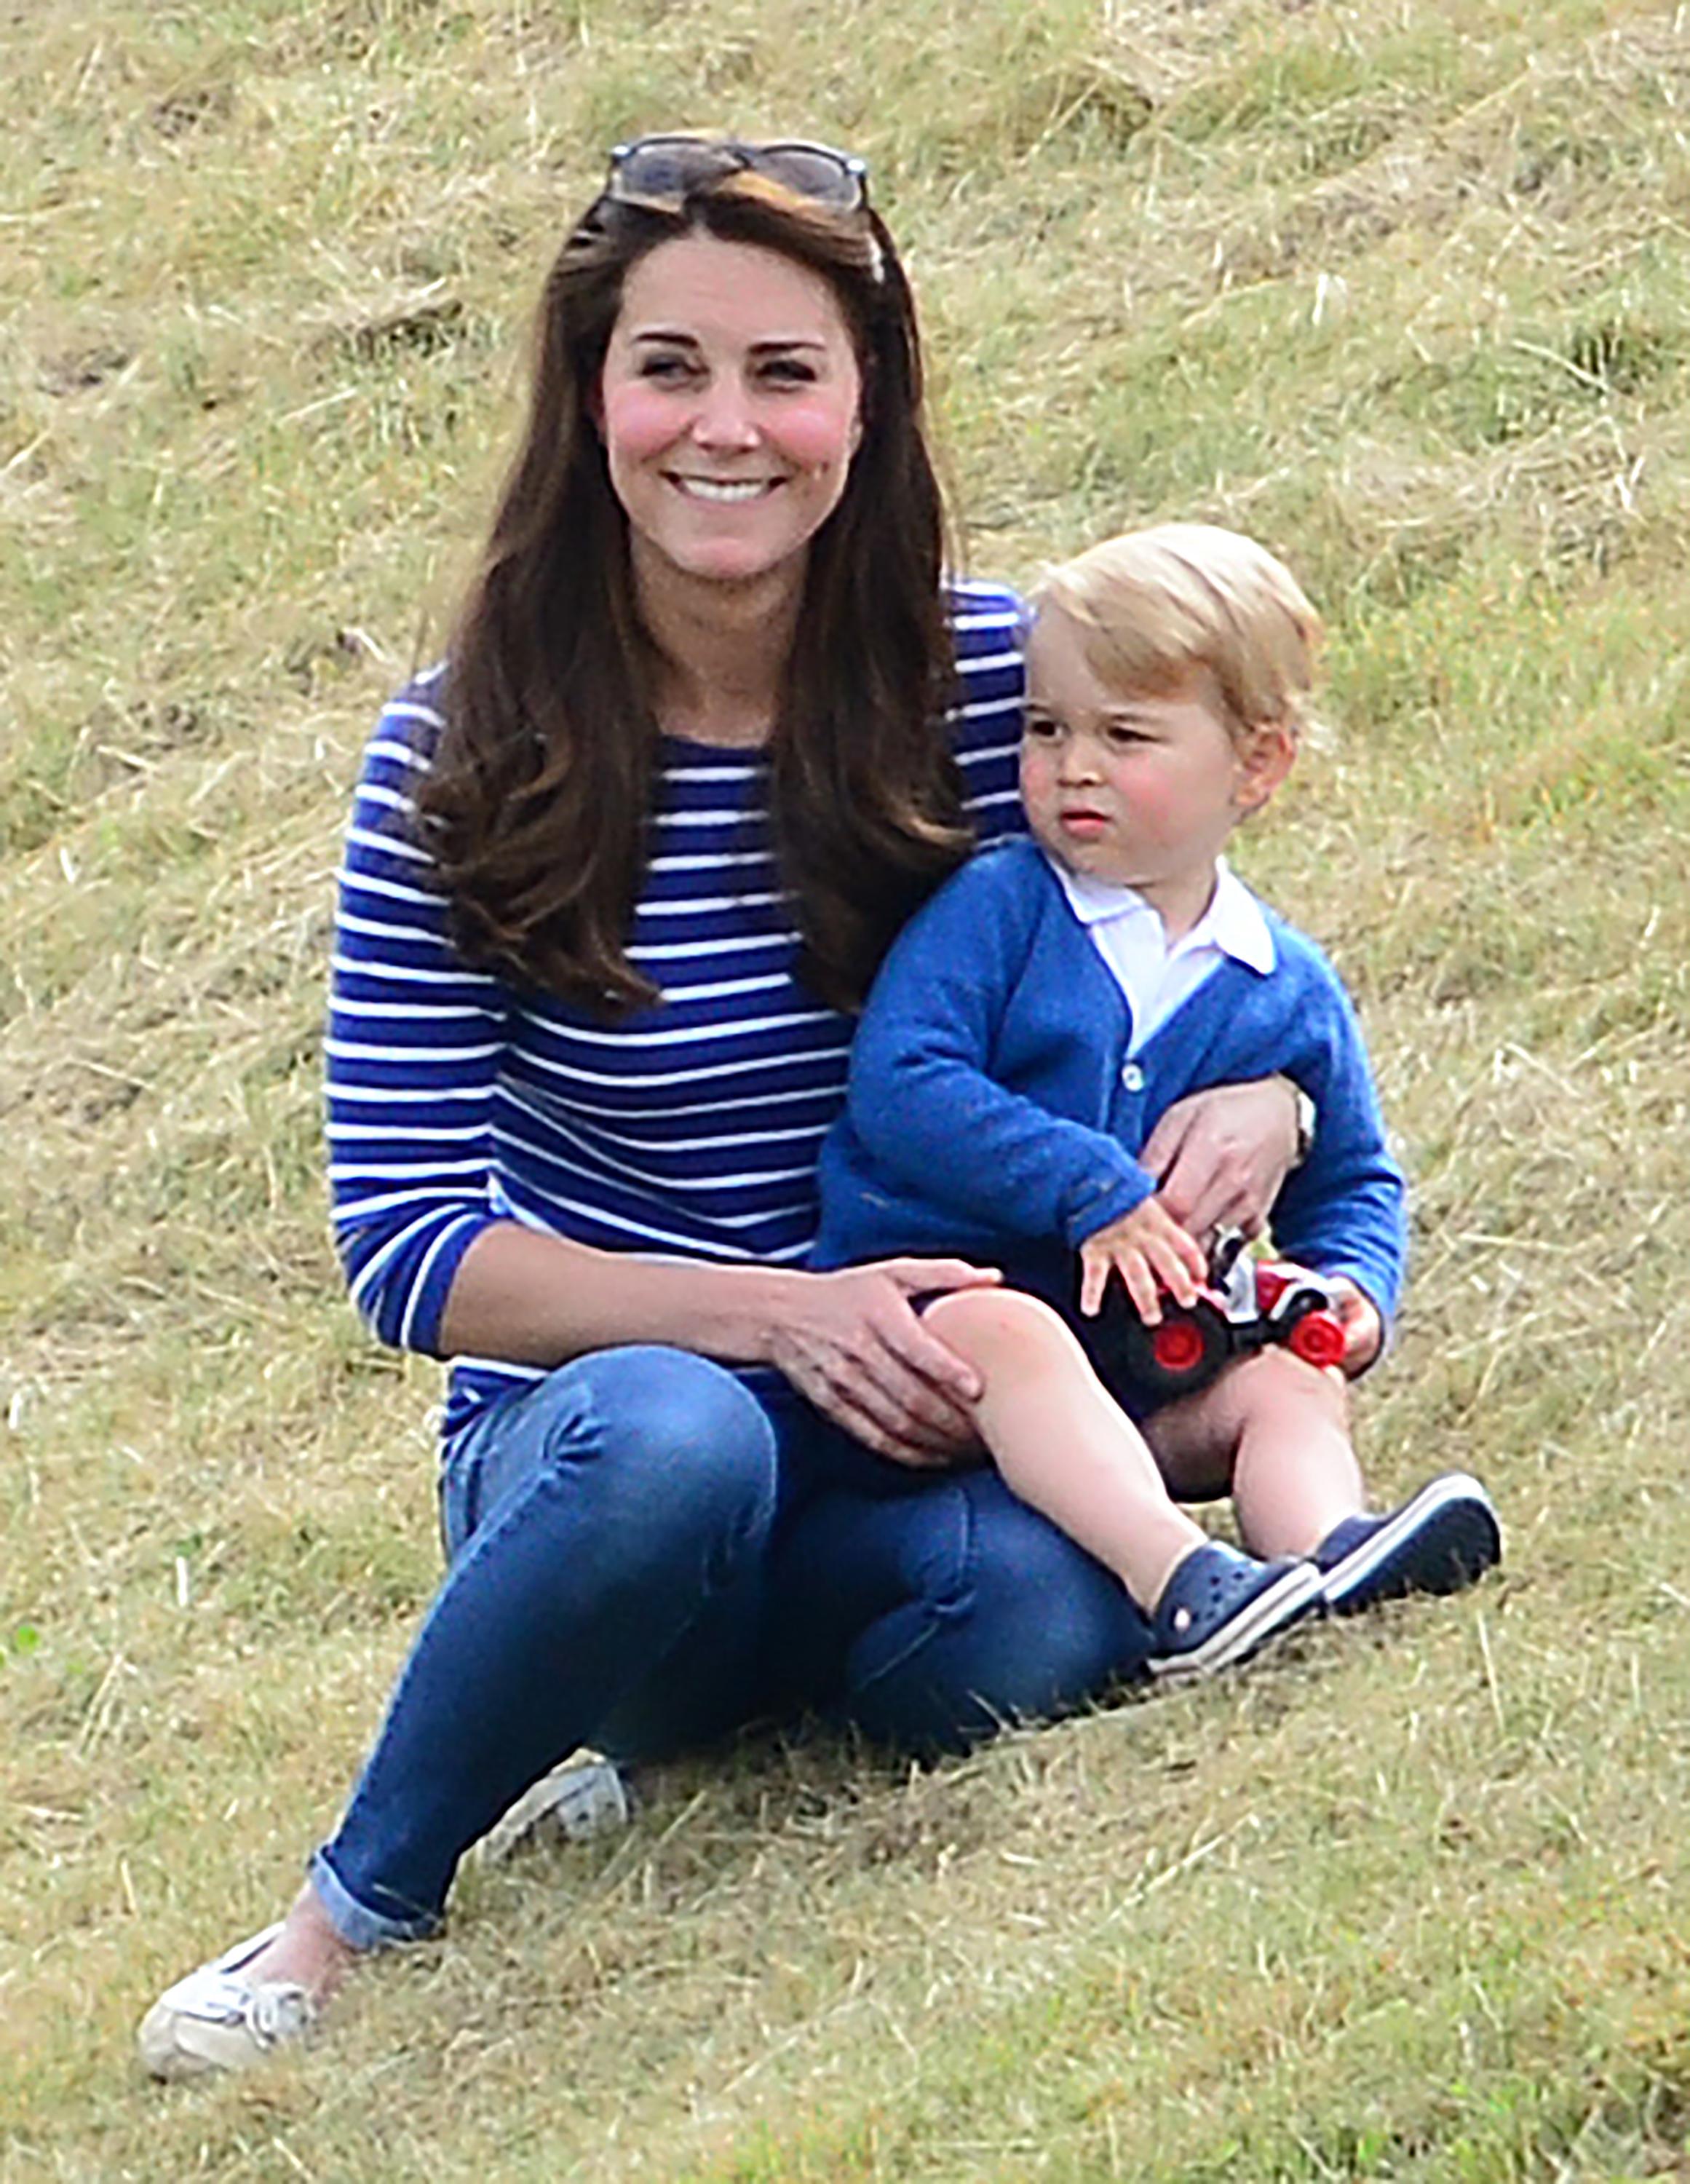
[1132, 1077]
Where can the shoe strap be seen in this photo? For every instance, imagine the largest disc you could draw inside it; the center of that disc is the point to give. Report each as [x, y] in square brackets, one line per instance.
[278, 2010]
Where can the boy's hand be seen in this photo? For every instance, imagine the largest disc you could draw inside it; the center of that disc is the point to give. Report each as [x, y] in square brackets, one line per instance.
[1364, 1329]
[1151, 1252]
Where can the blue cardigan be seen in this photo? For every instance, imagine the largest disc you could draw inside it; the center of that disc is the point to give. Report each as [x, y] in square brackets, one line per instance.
[993, 1113]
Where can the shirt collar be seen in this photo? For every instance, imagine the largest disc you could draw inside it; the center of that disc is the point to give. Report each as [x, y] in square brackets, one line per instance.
[1233, 922]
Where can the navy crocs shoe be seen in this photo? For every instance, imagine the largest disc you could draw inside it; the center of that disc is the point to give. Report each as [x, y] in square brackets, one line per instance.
[1440, 1540]
[1220, 1607]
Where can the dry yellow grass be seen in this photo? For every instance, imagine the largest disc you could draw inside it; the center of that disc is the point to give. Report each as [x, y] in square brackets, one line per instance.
[1401, 287]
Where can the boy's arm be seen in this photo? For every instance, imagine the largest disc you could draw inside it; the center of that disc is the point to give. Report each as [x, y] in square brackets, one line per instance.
[922, 1100]
[1344, 1211]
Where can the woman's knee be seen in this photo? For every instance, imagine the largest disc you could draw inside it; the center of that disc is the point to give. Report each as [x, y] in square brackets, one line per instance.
[673, 1439]
[690, 1438]
[671, 1406]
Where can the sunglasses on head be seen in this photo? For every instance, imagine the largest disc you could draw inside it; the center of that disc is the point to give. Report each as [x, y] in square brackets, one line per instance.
[665, 170]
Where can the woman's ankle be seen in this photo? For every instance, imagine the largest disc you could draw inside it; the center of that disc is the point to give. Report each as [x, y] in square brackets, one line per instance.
[308, 1951]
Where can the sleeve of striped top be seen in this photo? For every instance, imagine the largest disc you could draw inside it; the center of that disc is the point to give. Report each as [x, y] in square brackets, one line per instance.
[987, 623]
[411, 1054]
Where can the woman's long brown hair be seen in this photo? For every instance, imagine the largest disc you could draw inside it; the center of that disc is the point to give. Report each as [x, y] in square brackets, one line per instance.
[536, 808]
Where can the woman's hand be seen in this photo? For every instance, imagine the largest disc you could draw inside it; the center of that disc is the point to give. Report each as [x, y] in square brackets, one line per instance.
[1151, 1252]
[852, 1342]
[1220, 1156]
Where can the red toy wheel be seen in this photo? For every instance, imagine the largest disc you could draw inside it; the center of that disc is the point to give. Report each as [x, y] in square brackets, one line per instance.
[1318, 1338]
[1179, 1355]
[1177, 1346]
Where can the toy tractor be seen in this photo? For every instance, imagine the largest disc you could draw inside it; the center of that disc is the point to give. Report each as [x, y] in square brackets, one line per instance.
[1251, 1304]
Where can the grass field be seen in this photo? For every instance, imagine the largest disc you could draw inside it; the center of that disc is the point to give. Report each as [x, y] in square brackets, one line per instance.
[1400, 285]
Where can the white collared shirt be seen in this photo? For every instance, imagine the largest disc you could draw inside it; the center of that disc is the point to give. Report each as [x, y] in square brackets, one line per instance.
[1127, 933]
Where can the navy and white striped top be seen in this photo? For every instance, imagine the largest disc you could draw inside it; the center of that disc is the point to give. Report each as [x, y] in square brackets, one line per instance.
[688, 1129]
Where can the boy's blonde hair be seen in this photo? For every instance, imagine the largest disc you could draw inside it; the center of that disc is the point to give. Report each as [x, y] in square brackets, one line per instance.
[1152, 604]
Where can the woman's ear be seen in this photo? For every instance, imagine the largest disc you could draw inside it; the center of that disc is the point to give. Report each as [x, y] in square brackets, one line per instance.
[1265, 755]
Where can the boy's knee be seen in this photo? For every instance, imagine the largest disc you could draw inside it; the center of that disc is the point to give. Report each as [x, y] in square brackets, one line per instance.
[1279, 1377]
[998, 1324]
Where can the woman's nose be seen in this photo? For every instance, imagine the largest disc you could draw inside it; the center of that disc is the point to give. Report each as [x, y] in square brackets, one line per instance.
[724, 418]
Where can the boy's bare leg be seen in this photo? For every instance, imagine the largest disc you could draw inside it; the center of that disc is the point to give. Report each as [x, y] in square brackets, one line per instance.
[1274, 1433]
[1061, 1441]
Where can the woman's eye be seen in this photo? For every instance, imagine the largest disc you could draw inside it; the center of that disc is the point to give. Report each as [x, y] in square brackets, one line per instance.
[666, 368]
[790, 371]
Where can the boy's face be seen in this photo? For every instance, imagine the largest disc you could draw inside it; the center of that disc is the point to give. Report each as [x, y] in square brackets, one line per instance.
[1140, 787]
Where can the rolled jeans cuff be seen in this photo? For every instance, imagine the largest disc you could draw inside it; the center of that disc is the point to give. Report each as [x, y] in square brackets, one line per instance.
[357, 1925]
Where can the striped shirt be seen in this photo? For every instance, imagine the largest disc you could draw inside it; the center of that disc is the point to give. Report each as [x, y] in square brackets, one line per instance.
[688, 1129]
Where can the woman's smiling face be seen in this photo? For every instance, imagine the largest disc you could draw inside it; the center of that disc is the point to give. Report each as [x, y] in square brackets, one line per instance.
[729, 404]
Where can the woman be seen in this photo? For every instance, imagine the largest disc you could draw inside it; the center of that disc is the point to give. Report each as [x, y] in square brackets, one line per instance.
[617, 877]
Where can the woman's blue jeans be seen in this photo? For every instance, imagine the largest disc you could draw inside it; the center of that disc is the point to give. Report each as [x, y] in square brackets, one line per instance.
[643, 1558]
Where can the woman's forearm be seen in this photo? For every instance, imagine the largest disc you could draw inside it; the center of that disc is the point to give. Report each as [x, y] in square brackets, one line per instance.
[849, 1341]
[538, 1300]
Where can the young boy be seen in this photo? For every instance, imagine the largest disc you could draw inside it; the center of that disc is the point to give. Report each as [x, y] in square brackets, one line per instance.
[1029, 1027]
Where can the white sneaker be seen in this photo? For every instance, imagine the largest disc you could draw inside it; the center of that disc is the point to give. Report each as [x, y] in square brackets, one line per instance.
[215, 2020]
[582, 1796]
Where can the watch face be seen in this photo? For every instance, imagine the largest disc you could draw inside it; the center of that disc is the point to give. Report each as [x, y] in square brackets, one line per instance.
[1307, 1116]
